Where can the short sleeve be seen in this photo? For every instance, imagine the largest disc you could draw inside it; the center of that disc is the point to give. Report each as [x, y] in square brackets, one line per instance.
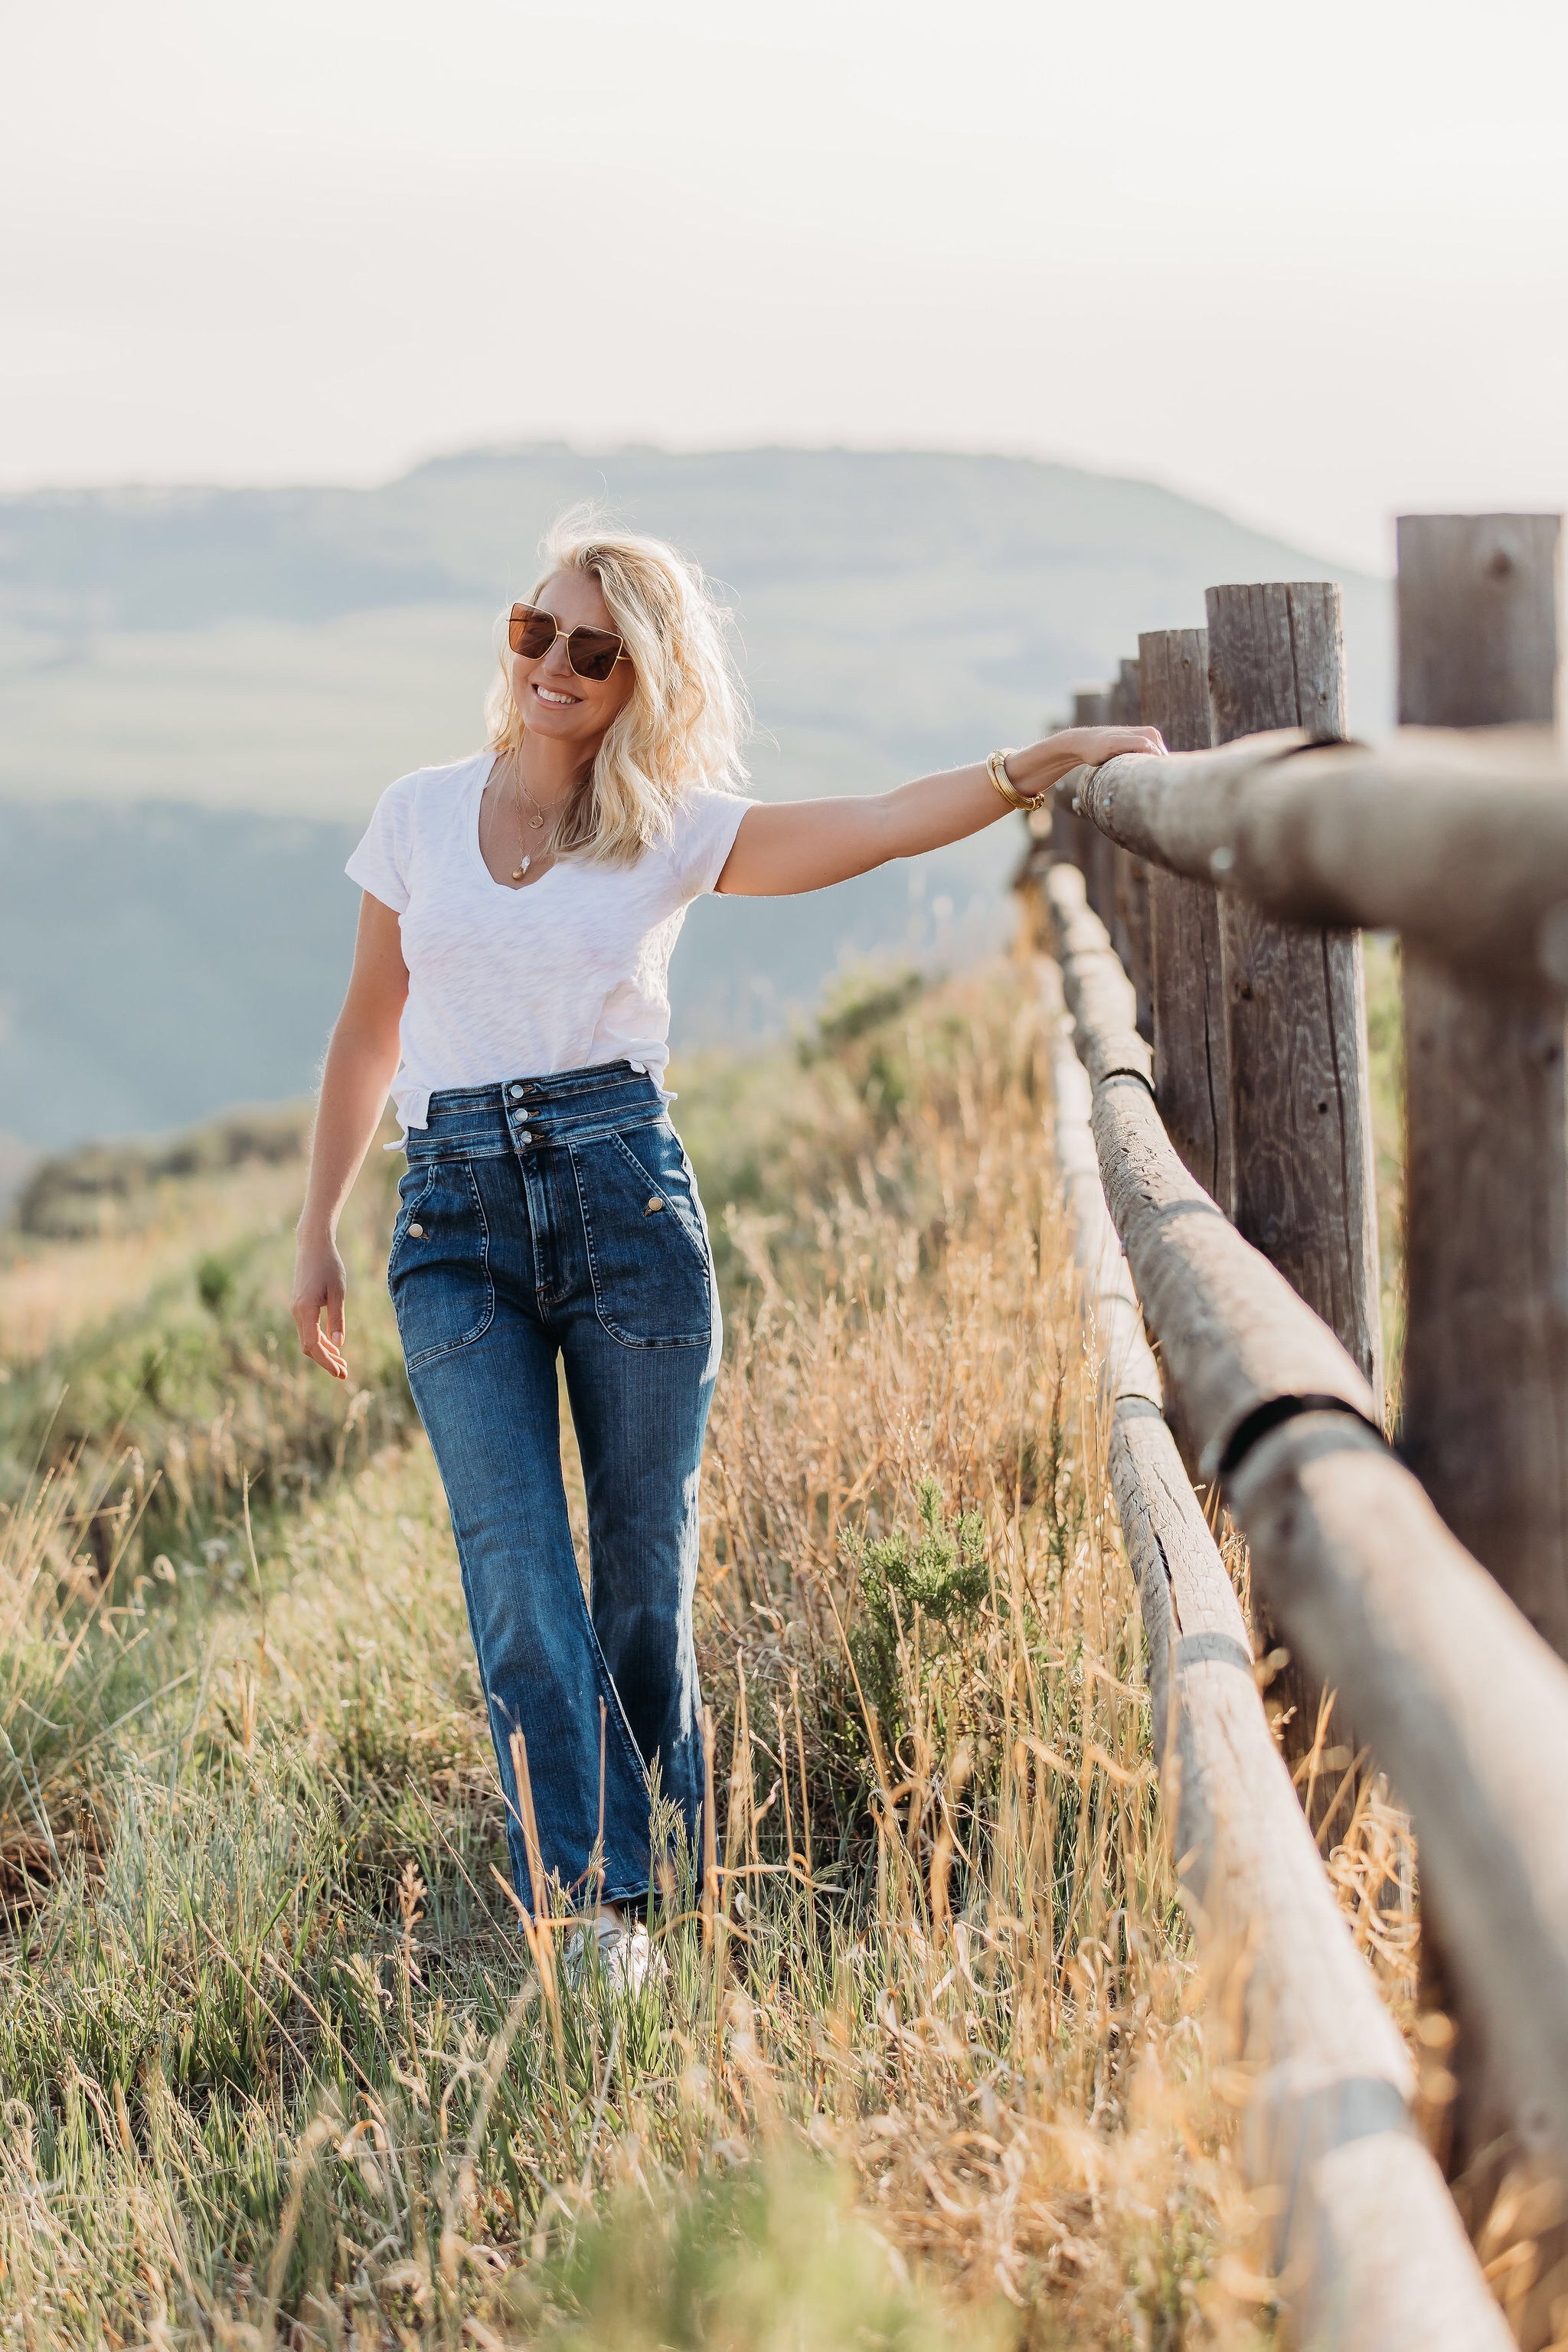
[705, 830]
[380, 864]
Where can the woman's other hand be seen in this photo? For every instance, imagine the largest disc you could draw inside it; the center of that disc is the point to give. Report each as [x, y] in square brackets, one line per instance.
[319, 1289]
[359, 1064]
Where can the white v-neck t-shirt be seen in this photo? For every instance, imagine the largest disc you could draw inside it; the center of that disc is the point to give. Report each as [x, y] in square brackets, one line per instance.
[562, 974]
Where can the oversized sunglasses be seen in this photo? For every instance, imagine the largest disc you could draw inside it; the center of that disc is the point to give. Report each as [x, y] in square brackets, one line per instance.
[593, 652]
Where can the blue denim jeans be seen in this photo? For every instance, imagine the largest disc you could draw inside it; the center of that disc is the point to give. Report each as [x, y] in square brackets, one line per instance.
[559, 1217]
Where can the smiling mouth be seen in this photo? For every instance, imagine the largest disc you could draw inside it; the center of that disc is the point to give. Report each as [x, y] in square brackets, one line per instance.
[547, 694]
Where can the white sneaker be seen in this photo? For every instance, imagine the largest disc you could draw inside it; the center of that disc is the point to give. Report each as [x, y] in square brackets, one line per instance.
[624, 1957]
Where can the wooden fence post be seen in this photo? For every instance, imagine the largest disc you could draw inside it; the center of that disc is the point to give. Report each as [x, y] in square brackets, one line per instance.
[1485, 1411]
[1296, 998]
[1071, 838]
[1092, 709]
[1190, 1079]
[1484, 1420]
[1294, 1005]
[1131, 929]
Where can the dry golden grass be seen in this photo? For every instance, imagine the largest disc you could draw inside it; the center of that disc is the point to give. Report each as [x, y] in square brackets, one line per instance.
[51, 1290]
[928, 2059]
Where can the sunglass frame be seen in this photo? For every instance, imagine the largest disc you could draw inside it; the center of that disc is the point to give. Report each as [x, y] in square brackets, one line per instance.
[519, 619]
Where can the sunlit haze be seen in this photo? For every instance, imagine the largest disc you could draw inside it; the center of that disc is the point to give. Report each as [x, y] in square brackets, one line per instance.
[1311, 265]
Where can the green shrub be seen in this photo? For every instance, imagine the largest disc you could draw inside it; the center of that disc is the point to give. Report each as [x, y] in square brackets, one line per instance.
[917, 1592]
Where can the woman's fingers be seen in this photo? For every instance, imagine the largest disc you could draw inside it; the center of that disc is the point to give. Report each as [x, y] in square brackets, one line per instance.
[320, 1351]
[322, 1347]
[1113, 742]
[1093, 745]
[318, 1302]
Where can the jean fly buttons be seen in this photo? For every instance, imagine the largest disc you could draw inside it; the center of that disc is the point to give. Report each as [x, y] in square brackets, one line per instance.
[416, 1233]
[654, 1203]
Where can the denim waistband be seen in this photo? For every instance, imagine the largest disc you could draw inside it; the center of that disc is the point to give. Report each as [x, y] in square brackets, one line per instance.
[475, 1121]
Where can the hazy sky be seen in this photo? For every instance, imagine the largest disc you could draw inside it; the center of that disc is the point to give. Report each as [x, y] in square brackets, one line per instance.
[1311, 262]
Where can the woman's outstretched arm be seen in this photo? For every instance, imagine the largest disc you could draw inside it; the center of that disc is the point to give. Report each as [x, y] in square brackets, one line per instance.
[361, 1062]
[794, 846]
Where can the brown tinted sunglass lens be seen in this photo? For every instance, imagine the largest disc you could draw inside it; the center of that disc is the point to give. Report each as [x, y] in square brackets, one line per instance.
[530, 632]
[593, 652]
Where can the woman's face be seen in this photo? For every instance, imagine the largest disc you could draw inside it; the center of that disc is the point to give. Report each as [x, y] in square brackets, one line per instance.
[549, 693]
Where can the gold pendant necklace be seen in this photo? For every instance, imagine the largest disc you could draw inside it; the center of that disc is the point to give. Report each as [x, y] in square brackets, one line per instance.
[536, 821]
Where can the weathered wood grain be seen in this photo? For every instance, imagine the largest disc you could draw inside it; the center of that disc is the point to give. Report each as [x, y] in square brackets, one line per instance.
[1485, 1406]
[1370, 2248]
[1092, 708]
[1478, 619]
[1129, 933]
[1459, 842]
[1070, 838]
[1302, 1181]
[1127, 1366]
[1464, 1705]
[1100, 995]
[1277, 659]
[1364, 2235]
[1234, 1340]
[1468, 1709]
[1300, 1113]
[1191, 1082]
[1485, 1420]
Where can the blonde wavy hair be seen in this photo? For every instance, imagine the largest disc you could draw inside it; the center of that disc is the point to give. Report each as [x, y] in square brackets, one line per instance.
[684, 722]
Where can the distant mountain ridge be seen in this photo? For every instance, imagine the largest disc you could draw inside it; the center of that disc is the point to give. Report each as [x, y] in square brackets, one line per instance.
[463, 528]
[278, 656]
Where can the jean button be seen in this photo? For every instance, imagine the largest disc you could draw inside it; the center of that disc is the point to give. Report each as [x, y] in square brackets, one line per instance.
[525, 1137]
[517, 1094]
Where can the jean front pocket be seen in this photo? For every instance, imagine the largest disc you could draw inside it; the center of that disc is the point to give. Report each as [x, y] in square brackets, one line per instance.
[438, 1272]
[648, 1247]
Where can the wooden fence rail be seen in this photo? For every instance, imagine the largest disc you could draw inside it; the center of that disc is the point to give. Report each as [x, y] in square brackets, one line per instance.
[1279, 847]
[1363, 2229]
[1459, 842]
[1467, 1706]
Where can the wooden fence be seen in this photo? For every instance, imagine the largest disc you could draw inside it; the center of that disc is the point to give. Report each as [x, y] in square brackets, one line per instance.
[1214, 1128]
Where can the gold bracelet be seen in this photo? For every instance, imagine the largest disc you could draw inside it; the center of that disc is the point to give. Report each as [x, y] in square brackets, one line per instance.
[996, 769]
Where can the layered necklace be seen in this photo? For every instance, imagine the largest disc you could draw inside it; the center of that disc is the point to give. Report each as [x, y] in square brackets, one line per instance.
[525, 824]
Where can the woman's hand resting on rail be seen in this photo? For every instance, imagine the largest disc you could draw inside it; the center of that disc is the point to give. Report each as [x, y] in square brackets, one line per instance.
[786, 847]
[1040, 765]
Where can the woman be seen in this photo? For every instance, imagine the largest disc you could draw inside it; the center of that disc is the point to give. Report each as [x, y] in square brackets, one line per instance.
[509, 989]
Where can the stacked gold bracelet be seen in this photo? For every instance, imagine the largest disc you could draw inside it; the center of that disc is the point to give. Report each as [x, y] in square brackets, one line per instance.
[996, 769]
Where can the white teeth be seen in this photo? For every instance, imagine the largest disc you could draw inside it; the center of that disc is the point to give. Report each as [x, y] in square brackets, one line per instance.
[545, 695]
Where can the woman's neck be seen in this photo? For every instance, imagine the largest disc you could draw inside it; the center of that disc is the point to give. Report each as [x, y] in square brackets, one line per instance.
[551, 771]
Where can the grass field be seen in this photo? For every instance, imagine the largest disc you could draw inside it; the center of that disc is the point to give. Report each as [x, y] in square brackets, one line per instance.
[927, 2060]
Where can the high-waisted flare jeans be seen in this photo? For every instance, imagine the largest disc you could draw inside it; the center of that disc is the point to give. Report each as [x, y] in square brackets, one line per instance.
[559, 1217]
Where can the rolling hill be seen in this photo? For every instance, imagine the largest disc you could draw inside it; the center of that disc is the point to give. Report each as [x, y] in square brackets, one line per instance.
[202, 692]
